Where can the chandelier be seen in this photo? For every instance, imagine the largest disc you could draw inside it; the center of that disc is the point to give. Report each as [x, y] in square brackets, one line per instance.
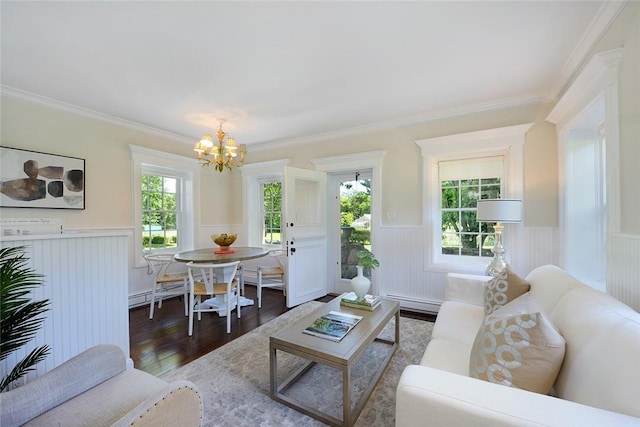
[224, 154]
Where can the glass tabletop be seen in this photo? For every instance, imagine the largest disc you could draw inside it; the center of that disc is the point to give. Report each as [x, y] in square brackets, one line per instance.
[241, 253]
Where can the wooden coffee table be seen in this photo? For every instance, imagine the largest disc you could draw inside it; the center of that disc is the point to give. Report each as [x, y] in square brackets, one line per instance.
[339, 355]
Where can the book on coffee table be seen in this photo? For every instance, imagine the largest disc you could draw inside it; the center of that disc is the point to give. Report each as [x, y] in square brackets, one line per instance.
[368, 302]
[333, 325]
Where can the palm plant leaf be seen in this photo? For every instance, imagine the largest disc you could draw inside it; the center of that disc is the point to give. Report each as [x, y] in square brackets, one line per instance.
[20, 316]
[25, 365]
[20, 325]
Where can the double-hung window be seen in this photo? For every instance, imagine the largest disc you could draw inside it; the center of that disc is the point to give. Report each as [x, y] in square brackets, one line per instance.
[165, 202]
[459, 170]
[263, 194]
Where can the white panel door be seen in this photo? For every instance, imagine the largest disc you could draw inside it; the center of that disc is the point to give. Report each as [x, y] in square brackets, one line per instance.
[305, 215]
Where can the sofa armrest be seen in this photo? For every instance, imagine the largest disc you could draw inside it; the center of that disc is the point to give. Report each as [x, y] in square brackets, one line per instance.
[467, 288]
[178, 404]
[449, 399]
[75, 376]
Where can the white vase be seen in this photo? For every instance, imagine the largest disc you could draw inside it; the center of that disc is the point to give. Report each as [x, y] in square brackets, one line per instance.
[360, 284]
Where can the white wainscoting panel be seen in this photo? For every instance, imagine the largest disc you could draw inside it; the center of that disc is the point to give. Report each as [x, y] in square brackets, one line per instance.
[623, 269]
[533, 247]
[402, 276]
[85, 279]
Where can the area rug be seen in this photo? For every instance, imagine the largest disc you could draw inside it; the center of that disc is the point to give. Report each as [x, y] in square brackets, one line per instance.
[234, 379]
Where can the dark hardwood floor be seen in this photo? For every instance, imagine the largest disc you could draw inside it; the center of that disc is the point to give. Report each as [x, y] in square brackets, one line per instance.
[162, 344]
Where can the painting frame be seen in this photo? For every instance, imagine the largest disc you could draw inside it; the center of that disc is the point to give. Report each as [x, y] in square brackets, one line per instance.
[33, 179]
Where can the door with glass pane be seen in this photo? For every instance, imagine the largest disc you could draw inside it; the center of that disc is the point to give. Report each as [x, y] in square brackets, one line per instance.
[351, 224]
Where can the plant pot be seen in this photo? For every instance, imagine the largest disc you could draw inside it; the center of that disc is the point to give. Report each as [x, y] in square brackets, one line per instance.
[360, 284]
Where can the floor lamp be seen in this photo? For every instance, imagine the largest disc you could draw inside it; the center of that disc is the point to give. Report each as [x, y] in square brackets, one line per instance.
[498, 211]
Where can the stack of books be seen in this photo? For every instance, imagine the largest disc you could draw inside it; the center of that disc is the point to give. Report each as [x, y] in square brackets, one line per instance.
[368, 302]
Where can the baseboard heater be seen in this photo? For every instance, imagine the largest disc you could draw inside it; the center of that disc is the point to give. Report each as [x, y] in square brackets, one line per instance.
[417, 304]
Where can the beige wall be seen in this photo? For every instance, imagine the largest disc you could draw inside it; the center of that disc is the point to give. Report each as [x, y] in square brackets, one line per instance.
[402, 173]
[105, 147]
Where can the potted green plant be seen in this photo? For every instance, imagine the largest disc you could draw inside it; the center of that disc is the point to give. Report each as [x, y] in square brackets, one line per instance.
[20, 316]
[361, 283]
[367, 259]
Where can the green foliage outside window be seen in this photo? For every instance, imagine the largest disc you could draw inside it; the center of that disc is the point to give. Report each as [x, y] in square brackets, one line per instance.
[354, 204]
[159, 211]
[272, 199]
[461, 232]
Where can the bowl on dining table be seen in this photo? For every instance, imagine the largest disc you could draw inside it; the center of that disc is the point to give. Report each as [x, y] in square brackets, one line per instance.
[224, 240]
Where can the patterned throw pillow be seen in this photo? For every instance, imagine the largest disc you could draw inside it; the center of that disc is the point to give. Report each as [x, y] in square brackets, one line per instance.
[518, 350]
[503, 288]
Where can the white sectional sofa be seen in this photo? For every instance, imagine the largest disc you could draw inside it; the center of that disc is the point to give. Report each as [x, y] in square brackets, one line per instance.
[599, 379]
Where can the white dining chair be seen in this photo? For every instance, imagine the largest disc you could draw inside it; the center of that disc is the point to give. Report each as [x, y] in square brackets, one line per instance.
[167, 284]
[214, 280]
[272, 276]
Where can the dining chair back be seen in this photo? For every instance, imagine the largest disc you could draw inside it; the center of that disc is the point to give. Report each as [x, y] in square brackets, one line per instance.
[217, 281]
[166, 283]
[273, 275]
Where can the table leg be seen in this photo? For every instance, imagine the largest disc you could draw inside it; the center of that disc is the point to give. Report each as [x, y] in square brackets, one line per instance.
[273, 371]
[346, 395]
[398, 327]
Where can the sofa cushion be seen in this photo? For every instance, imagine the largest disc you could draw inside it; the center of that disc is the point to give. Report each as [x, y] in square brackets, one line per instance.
[518, 350]
[105, 403]
[524, 304]
[458, 321]
[503, 288]
[446, 355]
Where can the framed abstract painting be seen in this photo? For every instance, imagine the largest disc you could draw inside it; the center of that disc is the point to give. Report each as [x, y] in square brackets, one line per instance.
[30, 179]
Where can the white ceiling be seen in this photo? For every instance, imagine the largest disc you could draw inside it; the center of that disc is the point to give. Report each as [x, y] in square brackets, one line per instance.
[290, 71]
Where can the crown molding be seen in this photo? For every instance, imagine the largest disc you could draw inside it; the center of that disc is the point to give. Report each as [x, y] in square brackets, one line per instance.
[593, 78]
[406, 121]
[21, 95]
[596, 29]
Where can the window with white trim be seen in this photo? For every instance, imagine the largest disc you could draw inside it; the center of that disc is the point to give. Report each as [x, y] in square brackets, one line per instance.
[165, 202]
[463, 168]
[263, 185]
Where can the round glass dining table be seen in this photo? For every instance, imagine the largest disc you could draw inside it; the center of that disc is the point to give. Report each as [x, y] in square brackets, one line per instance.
[209, 255]
[242, 253]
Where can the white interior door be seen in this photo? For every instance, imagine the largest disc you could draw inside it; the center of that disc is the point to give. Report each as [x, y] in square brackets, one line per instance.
[305, 216]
